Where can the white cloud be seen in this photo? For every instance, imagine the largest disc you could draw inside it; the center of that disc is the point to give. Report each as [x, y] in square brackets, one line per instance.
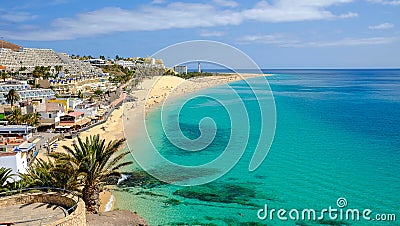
[386, 2]
[158, 1]
[349, 15]
[226, 3]
[291, 10]
[15, 16]
[284, 40]
[351, 42]
[381, 26]
[207, 33]
[179, 15]
[270, 39]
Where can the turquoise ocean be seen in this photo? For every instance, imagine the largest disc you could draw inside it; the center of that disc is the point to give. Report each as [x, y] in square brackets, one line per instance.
[337, 137]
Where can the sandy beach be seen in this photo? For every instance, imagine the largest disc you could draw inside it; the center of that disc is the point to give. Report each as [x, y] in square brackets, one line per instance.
[150, 93]
[106, 200]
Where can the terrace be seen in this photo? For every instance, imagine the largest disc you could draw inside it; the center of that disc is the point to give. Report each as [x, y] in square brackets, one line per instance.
[42, 206]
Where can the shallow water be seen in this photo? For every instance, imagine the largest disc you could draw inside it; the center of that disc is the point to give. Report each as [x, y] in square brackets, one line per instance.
[336, 137]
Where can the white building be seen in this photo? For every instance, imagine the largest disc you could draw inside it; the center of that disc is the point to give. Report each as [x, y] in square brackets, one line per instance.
[180, 69]
[29, 58]
[73, 102]
[51, 116]
[88, 108]
[16, 150]
[16, 161]
[96, 62]
[24, 91]
[126, 63]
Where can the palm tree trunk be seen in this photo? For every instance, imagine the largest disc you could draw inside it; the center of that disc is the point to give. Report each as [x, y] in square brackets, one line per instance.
[91, 197]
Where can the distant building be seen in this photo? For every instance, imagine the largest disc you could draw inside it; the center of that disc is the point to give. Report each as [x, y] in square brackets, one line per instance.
[51, 116]
[73, 102]
[24, 91]
[126, 63]
[88, 108]
[56, 103]
[74, 85]
[181, 69]
[74, 120]
[96, 62]
[13, 57]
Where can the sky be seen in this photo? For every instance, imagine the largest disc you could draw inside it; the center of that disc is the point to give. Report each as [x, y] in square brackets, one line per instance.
[274, 33]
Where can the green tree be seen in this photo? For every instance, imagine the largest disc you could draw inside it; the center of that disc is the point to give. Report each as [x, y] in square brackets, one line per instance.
[12, 96]
[41, 71]
[98, 92]
[50, 174]
[80, 94]
[33, 119]
[58, 68]
[95, 162]
[15, 118]
[22, 69]
[5, 175]
[4, 75]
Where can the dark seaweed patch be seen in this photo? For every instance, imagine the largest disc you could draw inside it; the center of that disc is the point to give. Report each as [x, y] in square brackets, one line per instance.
[171, 202]
[334, 223]
[149, 194]
[141, 178]
[219, 192]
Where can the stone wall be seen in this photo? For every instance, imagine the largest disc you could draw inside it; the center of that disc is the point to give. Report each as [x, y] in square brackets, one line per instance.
[76, 218]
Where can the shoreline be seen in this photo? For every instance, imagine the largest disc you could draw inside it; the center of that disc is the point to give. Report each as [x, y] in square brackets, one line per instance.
[150, 93]
[107, 200]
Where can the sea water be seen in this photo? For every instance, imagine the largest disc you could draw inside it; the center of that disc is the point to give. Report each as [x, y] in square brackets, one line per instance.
[337, 138]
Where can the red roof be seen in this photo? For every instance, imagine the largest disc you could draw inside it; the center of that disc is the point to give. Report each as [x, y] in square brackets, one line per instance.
[75, 113]
[2, 67]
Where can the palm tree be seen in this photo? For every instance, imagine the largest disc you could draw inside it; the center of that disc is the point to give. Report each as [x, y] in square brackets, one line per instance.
[37, 72]
[58, 68]
[41, 71]
[96, 162]
[12, 97]
[50, 174]
[33, 119]
[5, 175]
[21, 69]
[80, 94]
[4, 75]
[15, 118]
